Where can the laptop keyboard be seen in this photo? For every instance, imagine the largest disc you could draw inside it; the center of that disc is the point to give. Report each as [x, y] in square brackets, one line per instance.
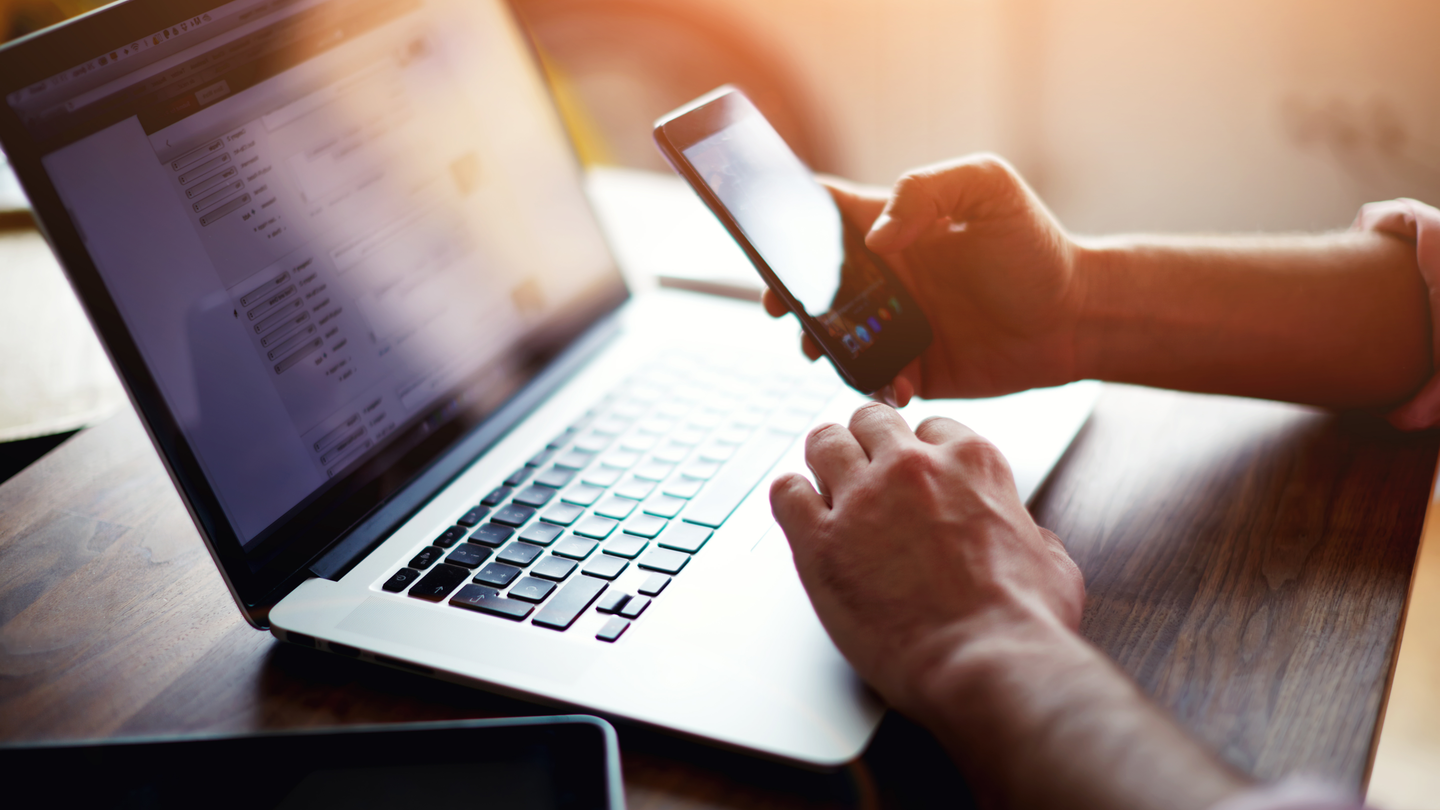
[636, 487]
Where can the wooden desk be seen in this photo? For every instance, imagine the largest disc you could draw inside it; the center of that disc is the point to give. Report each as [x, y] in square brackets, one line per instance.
[1247, 563]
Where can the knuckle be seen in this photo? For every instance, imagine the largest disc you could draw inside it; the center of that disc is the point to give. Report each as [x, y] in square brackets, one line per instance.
[869, 412]
[978, 454]
[823, 434]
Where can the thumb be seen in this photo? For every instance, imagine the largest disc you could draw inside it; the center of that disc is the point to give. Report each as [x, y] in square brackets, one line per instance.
[924, 196]
[859, 205]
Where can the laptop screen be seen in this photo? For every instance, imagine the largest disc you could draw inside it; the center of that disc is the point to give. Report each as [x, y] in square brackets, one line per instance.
[340, 233]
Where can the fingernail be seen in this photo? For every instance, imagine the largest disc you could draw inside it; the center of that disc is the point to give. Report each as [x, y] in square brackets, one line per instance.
[887, 396]
[881, 231]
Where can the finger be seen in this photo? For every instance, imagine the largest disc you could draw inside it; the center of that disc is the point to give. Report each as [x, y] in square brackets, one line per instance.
[810, 347]
[924, 196]
[773, 304]
[859, 205]
[877, 428]
[796, 505]
[904, 391]
[886, 396]
[834, 456]
[940, 430]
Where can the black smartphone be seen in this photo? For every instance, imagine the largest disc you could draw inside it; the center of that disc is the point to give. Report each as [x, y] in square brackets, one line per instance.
[849, 302]
[545, 763]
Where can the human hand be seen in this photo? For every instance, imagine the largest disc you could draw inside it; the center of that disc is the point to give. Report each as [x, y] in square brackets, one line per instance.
[916, 544]
[991, 268]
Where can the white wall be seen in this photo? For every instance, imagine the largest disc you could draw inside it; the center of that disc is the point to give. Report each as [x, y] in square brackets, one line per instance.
[1135, 114]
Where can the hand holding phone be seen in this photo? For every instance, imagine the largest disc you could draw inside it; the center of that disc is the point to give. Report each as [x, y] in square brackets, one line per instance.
[848, 301]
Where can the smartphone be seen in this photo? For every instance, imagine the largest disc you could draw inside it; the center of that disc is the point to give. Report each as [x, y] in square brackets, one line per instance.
[849, 302]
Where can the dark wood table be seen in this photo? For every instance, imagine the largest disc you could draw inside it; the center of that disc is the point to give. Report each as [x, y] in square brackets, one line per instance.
[1247, 563]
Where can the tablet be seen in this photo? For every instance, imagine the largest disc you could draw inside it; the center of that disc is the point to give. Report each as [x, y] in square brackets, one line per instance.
[545, 763]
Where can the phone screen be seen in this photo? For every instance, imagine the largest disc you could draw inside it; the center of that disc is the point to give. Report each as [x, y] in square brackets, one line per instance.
[794, 225]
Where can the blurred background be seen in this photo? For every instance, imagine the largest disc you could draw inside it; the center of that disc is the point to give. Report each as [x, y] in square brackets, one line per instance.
[1125, 114]
[1191, 115]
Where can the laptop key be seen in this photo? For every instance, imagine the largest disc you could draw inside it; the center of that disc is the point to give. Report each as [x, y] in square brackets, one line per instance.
[605, 567]
[683, 487]
[468, 555]
[644, 525]
[595, 527]
[612, 602]
[518, 477]
[576, 548]
[582, 494]
[635, 606]
[492, 603]
[615, 507]
[613, 629]
[425, 558]
[574, 460]
[400, 580]
[555, 477]
[496, 496]
[569, 603]
[727, 489]
[653, 471]
[671, 453]
[665, 506]
[664, 560]
[563, 514]
[703, 470]
[513, 515]
[520, 554]
[593, 442]
[654, 584]
[534, 496]
[496, 574]
[492, 534]
[449, 537]
[472, 592]
[541, 534]
[603, 476]
[539, 459]
[623, 459]
[635, 489]
[531, 589]
[626, 546]
[473, 517]
[439, 582]
[552, 567]
[686, 537]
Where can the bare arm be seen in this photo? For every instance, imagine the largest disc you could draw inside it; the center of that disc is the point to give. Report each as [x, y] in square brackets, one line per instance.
[1337, 319]
[937, 586]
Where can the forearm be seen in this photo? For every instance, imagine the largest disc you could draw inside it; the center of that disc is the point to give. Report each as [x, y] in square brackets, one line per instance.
[1336, 319]
[1038, 718]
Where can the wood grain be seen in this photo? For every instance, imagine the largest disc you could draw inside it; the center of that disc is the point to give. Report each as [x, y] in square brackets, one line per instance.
[1247, 562]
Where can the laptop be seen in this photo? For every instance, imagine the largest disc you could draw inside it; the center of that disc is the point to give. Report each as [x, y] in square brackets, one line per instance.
[341, 255]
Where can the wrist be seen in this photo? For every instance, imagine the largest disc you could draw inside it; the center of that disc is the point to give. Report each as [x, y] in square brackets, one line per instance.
[1099, 266]
[1027, 695]
[967, 658]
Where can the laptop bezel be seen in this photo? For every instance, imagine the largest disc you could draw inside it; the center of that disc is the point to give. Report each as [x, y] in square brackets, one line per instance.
[61, 47]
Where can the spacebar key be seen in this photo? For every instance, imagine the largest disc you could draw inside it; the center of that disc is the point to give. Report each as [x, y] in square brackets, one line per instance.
[570, 602]
[726, 490]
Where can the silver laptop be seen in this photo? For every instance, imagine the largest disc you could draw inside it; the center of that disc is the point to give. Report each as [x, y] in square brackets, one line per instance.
[340, 253]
